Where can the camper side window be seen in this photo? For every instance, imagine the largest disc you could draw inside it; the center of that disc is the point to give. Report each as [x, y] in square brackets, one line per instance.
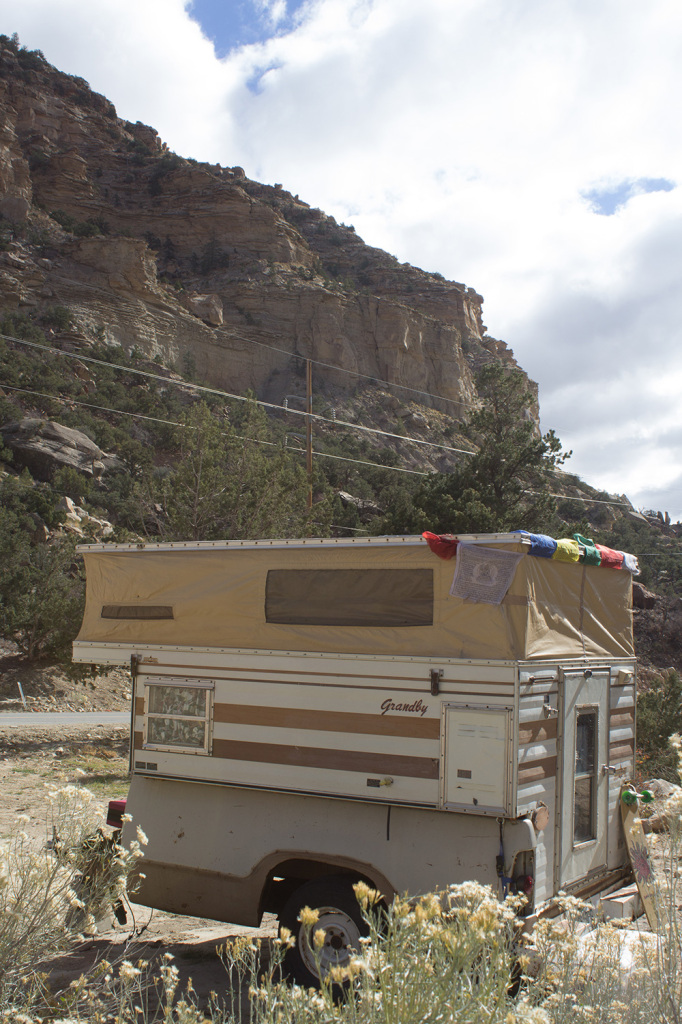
[178, 717]
[349, 597]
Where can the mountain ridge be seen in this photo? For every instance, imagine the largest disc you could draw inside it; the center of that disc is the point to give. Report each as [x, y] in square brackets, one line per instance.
[195, 263]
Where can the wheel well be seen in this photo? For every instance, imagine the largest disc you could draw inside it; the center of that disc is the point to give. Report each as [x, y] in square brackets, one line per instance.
[289, 875]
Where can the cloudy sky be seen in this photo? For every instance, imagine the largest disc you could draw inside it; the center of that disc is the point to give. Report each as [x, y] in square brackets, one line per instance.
[529, 148]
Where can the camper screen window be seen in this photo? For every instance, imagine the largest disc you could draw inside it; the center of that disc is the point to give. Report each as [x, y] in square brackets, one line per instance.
[177, 717]
[349, 597]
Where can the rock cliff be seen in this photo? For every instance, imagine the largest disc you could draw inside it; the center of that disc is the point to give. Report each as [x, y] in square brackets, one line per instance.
[200, 267]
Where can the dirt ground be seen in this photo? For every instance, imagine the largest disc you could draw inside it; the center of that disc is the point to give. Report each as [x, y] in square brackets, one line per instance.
[96, 757]
[48, 688]
[30, 760]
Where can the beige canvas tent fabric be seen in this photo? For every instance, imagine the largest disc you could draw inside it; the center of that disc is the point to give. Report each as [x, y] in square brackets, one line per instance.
[216, 597]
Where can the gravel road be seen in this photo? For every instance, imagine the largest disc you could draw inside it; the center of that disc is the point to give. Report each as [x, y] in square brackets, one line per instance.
[59, 719]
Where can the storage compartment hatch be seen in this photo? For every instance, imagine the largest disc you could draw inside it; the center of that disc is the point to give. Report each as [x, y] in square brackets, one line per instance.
[477, 759]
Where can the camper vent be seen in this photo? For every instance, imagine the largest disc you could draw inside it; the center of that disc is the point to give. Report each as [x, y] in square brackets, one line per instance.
[137, 611]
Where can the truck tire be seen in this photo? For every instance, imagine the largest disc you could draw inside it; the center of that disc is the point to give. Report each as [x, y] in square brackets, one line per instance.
[339, 917]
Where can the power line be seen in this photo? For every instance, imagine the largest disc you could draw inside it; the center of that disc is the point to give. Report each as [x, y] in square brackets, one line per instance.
[188, 426]
[361, 462]
[658, 554]
[101, 408]
[274, 444]
[267, 405]
[238, 398]
[336, 526]
[591, 501]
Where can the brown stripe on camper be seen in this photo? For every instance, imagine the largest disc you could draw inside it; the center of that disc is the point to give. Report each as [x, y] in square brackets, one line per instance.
[137, 611]
[405, 724]
[535, 771]
[139, 705]
[137, 741]
[537, 732]
[624, 750]
[322, 757]
[621, 719]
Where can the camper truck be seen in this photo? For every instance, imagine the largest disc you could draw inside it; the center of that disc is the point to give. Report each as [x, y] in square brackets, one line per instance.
[310, 713]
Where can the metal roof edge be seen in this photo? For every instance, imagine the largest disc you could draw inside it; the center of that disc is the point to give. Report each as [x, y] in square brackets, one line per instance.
[299, 542]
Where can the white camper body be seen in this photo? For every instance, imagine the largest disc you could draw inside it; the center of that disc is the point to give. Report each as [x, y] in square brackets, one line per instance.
[327, 709]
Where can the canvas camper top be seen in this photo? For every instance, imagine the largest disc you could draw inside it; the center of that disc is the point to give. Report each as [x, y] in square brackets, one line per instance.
[375, 596]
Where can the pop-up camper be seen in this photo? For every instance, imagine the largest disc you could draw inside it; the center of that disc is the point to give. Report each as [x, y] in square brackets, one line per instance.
[308, 713]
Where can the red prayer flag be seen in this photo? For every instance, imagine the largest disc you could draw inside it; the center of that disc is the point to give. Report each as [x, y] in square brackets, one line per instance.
[442, 544]
[610, 559]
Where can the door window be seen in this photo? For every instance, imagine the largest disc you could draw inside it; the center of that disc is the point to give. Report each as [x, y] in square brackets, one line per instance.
[585, 786]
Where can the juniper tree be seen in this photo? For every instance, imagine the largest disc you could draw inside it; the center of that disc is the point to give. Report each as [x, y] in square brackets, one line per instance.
[505, 483]
[226, 483]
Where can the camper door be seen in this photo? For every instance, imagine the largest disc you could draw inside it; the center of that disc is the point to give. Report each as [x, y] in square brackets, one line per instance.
[582, 814]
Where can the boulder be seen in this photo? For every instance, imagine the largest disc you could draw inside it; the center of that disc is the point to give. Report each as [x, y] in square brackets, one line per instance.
[390, 402]
[72, 524]
[641, 597]
[208, 308]
[43, 446]
[366, 509]
[414, 419]
[39, 533]
[79, 521]
[660, 788]
[67, 504]
[98, 527]
[657, 821]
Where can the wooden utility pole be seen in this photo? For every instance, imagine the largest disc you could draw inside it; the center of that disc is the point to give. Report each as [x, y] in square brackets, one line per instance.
[309, 430]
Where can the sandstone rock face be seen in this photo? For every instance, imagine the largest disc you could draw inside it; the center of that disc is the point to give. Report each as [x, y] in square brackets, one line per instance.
[208, 308]
[123, 265]
[14, 208]
[43, 446]
[185, 260]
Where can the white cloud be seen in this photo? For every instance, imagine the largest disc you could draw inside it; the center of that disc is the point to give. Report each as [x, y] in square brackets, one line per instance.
[274, 11]
[147, 56]
[465, 136]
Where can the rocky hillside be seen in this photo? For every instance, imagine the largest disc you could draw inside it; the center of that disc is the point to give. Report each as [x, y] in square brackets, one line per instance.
[201, 268]
[113, 247]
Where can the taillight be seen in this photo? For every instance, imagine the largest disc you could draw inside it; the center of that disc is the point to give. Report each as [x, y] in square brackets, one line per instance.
[115, 813]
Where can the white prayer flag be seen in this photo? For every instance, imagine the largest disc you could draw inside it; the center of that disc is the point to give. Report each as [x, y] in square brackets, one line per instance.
[483, 574]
